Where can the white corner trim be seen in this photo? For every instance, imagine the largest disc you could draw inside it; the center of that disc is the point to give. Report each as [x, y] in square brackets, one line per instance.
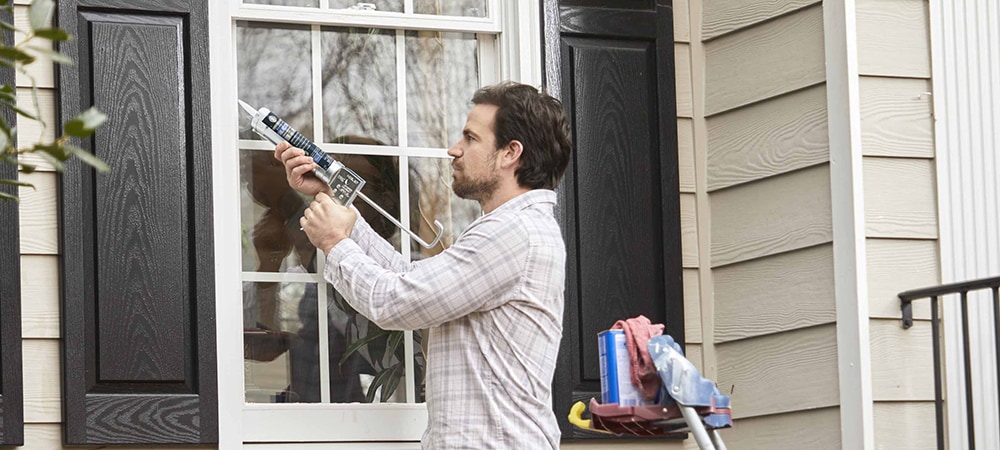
[847, 194]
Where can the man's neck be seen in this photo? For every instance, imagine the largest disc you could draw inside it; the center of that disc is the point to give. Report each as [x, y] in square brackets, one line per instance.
[501, 196]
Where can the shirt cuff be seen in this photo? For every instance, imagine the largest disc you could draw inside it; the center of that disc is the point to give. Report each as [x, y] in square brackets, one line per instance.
[343, 249]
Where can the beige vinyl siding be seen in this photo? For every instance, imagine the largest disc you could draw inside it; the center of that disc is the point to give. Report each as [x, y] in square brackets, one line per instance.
[682, 68]
[765, 60]
[780, 372]
[783, 292]
[894, 38]
[909, 424]
[786, 133]
[769, 224]
[770, 216]
[817, 429]
[896, 265]
[685, 156]
[722, 17]
[692, 307]
[901, 221]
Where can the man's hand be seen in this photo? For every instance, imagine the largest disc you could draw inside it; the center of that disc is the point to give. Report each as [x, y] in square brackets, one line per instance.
[298, 170]
[327, 223]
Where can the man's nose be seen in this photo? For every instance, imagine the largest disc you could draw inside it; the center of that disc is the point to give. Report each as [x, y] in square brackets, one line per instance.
[453, 151]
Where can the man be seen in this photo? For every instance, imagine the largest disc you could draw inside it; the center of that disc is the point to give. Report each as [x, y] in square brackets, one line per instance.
[494, 299]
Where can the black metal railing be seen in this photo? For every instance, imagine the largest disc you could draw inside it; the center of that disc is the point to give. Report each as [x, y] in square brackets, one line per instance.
[933, 293]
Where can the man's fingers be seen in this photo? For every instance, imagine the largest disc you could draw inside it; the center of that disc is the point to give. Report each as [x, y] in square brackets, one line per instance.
[280, 148]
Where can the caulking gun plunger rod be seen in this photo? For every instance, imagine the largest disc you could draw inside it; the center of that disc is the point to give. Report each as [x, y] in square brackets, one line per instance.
[345, 183]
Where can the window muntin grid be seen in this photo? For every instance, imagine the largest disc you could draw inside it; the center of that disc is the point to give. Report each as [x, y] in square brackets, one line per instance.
[429, 78]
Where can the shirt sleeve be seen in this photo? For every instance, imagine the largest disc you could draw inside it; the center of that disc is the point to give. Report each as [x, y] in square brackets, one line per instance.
[375, 246]
[477, 273]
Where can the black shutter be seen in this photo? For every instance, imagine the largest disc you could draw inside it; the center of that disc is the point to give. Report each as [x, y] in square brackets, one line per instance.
[11, 396]
[139, 363]
[612, 64]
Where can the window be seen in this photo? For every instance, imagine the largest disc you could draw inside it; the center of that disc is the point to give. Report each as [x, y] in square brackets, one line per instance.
[384, 87]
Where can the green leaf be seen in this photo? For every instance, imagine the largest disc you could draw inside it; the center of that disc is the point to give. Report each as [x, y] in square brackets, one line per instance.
[55, 150]
[391, 383]
[362, 342]
[53, 34]
[7, 26]
[21, 111]
[381, 378]
[55, 162]
[85, 123]
[395, 338]
[13, 54]
[54, 55]
[27, 168]
[7, 94]
[40, 13]
[17, 183]
[88, 158]
[7, 197]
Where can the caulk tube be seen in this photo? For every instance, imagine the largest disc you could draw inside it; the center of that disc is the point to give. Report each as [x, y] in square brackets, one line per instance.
[345, 183]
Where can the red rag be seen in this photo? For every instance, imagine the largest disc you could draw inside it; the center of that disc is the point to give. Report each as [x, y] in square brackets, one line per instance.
[638, 331]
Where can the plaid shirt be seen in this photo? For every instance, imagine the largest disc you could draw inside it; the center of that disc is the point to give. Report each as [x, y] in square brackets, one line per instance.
[494, 301]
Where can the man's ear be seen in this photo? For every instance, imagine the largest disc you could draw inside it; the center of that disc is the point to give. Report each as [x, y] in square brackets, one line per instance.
[510, 156]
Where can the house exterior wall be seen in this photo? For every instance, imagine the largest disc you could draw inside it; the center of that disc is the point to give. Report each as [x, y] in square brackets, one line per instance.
[761, 147]
[755, 214]
[901, 223]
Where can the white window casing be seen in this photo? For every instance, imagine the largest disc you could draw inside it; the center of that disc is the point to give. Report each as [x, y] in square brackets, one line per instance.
[509, 48]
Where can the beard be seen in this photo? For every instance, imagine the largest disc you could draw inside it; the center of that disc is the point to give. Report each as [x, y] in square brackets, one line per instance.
[476, 189]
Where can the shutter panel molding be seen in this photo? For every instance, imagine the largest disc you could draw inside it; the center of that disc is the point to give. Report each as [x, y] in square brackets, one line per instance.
[138, 295]
[611, 62]
[11, 388]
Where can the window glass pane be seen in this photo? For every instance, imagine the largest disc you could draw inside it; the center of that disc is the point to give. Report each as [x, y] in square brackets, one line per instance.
[379, 5]
[269, 214]
[442, 72]
[307, 3]
[275, 70]
[377, 365]
[381, 174]
[359, 84]
[431, 185]
[467, 8]
[279, 323]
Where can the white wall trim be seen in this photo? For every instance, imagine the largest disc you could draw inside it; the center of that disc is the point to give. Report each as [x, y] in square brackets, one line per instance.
[226, 199]
[847, 193]
[965, 60]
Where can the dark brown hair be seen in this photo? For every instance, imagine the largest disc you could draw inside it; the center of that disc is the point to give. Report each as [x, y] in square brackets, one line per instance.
[539, 122]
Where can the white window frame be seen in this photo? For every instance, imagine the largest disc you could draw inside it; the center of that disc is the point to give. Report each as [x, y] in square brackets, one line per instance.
[517, 27]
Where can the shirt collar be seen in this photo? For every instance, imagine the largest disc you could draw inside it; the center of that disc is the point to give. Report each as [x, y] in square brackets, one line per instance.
[527, 200]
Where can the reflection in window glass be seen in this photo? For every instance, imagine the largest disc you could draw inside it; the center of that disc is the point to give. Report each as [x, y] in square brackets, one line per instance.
[359, 84]
[269, 215]
[380, 5]
[306, 3]
[279, 331]
[381, 174]
[275, 69]
[379, 364]
[442, 72]
[431, 184]
[466, 8]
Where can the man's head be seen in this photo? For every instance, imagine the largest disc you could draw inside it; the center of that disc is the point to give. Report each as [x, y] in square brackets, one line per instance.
[537, 122]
